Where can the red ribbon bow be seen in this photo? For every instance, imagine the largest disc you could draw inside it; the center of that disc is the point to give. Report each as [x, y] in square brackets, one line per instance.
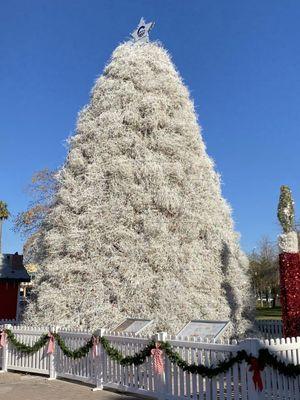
[51, 343]
[157, 359]
[3, 338]
[256, 367]
[95, 346]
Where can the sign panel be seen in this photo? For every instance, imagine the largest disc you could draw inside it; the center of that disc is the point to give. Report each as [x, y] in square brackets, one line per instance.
[204, 329]
[133, 325]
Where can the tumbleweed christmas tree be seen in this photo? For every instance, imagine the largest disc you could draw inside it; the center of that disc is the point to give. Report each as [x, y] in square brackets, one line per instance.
[139, 226]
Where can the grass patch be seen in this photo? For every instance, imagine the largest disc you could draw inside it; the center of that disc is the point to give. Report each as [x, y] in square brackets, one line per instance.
[268, 313]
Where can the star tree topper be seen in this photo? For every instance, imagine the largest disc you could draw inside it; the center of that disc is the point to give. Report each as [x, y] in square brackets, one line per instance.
[141, 34]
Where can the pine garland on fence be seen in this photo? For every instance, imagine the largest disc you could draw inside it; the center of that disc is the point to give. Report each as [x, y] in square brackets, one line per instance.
[78, 353]
[265, 357]
[137, 359]
[24, 348]
[271, 360]
[200, 369]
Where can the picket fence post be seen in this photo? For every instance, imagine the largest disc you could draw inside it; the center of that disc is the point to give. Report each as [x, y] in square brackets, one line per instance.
[160, 379]
[5, 351]
[52, 357]
[100, 362]
[252, 347]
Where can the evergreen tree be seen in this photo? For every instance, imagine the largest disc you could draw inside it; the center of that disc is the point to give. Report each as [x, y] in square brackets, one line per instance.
[4, 214]
[139, 226]
[285, 212]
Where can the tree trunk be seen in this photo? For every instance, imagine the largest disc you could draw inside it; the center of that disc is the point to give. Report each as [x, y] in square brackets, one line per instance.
[274, 298]
[267, 299]
[261, 299]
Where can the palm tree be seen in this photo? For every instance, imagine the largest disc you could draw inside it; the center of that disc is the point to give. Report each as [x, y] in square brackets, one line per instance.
[4, 214]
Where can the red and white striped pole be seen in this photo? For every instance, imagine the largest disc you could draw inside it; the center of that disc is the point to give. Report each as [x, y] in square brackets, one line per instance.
[289, 266]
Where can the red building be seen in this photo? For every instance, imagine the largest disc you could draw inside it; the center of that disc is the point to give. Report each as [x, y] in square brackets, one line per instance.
[12, 273]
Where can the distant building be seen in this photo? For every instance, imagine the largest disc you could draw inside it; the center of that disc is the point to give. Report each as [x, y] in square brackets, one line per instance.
[25, 287]
[12, 273]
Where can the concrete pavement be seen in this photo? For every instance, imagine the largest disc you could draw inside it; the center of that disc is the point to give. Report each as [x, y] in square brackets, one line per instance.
[20, 386]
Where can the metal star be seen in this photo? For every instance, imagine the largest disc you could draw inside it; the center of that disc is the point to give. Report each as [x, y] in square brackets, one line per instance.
[141, 34]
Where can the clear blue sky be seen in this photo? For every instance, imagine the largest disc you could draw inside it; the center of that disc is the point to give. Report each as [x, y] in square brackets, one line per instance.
[240, 59]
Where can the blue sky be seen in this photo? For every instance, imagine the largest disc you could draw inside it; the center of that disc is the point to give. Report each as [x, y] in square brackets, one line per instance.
[240, 60]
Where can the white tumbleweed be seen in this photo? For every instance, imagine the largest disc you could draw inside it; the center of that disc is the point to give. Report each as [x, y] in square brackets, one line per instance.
[139, 227]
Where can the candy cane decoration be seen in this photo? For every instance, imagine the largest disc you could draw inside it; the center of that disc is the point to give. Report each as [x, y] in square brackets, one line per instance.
[158, 363]
[289, 265]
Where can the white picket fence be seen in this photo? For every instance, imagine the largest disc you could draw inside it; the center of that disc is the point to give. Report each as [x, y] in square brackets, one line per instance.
[8, 321]
[102, 372]
[270, 328]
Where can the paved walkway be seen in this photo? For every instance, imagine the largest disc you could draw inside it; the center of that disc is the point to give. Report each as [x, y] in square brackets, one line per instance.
[19, 386]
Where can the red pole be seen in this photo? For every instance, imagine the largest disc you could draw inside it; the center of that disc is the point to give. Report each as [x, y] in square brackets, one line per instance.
[289, 269]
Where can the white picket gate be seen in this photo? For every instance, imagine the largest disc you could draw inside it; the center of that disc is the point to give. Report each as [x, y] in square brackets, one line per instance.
[38, 362]
[82, 369]
[102, 372]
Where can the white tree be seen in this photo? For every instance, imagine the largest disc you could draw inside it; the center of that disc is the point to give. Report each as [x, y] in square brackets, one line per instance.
[139, 226]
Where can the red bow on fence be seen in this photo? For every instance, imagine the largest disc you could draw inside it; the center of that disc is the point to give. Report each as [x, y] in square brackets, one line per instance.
[256, 367]
[157, 359]
[3, 338]
[51, 344]
[95, 346]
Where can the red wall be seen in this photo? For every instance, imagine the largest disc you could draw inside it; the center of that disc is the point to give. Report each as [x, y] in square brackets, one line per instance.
[8, 299]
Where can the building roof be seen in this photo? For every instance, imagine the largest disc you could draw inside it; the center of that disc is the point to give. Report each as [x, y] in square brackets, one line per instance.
[12, 268]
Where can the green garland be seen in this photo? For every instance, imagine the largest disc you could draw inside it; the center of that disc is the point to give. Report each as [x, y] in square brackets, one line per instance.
[271, 360]
[78, 353]
[24, 348]
[265, 358]
[42, 341]
[174, 357]
[200, 369]
[136, 359]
